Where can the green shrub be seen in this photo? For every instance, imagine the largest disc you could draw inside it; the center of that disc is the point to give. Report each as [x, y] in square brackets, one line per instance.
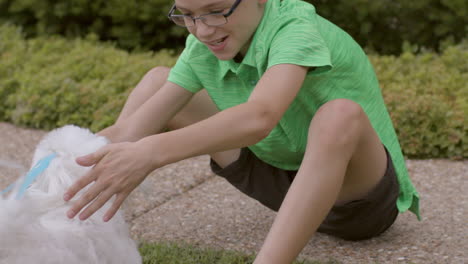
[381, 25]
[427, 97]
[384, 25]
[131, 24]
[48, 82]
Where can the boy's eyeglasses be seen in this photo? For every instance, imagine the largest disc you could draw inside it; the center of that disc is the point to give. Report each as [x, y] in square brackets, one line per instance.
[211, 19]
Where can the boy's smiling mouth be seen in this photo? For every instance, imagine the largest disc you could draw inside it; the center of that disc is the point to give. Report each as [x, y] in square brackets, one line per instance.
[218, 44]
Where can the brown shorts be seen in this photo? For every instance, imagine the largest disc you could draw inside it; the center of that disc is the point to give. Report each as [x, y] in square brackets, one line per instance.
[356, 220]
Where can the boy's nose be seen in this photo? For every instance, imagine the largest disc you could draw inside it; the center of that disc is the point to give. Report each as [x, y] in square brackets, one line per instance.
[202, 30]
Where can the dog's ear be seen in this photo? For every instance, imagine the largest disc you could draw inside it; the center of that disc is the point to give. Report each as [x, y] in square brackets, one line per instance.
[70, 142]
[60, 175]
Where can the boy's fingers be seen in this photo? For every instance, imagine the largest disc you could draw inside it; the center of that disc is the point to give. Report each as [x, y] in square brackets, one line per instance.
[88, 178]
[85, 199]
[115, 207]
[86, 161]
[96, 205]
[93, 158]
[78, 185]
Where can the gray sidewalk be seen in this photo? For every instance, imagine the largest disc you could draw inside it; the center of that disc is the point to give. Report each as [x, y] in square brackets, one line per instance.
[186, 202]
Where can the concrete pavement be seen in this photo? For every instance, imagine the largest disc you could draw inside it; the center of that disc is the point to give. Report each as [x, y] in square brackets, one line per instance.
[186, 202]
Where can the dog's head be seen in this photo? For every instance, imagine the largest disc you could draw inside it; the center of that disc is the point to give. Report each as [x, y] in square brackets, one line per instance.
[35, 229]
[67, 143]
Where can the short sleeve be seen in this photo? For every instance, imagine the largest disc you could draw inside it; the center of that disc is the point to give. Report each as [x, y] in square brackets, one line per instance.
[182, 73]
[299, 42]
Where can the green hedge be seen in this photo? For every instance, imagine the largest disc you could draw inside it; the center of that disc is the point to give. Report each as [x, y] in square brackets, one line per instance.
[384, 25]
[49, 82]
[381, 25]
[131, 24]
[427, 97]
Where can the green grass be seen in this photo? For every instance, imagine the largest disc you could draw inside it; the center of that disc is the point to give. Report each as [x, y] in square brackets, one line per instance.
[172, 253]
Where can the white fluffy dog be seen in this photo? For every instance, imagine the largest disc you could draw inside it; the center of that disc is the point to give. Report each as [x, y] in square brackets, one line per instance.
[34, 227]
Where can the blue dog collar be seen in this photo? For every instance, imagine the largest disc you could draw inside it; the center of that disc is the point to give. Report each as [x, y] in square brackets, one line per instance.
[37, 170]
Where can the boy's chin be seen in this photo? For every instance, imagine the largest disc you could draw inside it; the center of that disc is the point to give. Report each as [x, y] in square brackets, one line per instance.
[224, 57]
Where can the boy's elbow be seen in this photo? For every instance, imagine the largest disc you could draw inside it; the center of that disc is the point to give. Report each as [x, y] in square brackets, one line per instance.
[260, 134]
[264, 123]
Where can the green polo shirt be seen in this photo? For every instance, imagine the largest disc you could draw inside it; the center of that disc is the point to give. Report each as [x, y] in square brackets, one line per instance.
[291, 32]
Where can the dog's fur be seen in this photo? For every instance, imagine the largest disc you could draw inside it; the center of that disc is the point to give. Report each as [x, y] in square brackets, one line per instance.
[35, 229]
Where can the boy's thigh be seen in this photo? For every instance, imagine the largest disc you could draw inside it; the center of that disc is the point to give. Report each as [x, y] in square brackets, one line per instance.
[368, 216]
[355, 220]
[200, 107]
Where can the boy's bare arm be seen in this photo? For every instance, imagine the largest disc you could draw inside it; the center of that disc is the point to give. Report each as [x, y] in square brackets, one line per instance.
[119, 168]
[236, 127]
[151, 117]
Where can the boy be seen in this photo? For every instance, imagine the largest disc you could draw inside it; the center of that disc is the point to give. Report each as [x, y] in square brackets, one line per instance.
[291, 114]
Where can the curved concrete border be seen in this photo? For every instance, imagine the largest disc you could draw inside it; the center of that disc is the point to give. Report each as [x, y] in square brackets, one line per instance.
[11, 165]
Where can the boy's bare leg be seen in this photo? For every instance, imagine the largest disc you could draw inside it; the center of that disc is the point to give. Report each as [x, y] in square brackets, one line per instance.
[200, 107]
[344, 160]
[147, 87]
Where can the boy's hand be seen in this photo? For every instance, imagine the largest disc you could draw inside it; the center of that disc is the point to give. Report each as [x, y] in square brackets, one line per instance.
[118, 170]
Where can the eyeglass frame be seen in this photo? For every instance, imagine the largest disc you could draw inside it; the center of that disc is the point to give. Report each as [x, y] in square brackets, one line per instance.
[170, 15]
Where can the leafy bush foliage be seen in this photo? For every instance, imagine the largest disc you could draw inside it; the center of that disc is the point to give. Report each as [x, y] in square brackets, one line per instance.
[381, 25]
[427, 97]
[131, 24]
[384, 25]
[48, 82]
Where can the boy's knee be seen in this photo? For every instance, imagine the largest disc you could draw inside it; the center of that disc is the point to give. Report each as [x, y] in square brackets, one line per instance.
[153, 80]
[159, 72]
[339, 120]
[344, 109]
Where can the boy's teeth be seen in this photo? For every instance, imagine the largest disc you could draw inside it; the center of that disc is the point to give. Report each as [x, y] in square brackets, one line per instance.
[219, 41]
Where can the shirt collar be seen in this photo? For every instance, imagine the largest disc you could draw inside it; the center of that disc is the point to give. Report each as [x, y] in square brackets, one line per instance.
[250, 57]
